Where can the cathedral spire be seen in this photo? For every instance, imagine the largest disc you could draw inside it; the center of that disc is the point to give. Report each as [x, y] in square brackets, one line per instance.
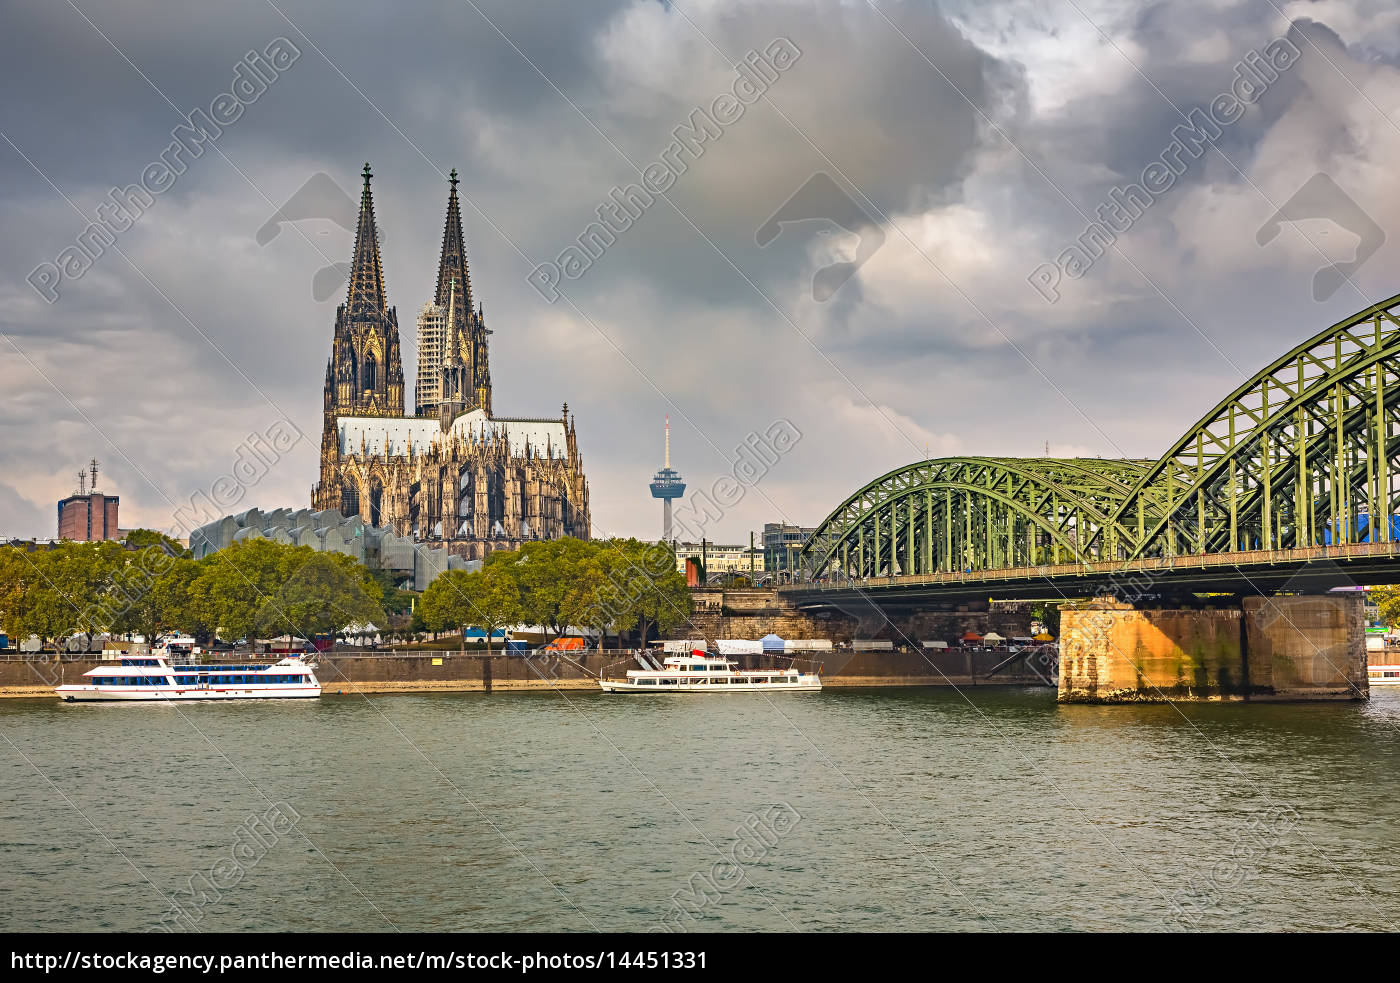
[366, 376]
[367, 295]
[464, 334]
[452, 264]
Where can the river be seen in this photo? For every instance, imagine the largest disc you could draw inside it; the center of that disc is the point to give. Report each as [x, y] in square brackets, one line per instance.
[895, 809]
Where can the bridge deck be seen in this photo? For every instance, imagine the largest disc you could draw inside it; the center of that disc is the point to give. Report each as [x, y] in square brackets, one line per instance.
[1311, 568]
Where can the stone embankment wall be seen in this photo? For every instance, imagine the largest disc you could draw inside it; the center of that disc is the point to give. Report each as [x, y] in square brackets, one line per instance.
[347, 673]
[755, 613]
[1268, 648]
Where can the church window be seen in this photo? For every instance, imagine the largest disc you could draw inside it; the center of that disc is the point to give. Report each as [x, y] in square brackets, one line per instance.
[349, 500]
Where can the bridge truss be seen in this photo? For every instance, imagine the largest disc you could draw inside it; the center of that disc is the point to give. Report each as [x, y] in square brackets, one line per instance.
[1303, 454]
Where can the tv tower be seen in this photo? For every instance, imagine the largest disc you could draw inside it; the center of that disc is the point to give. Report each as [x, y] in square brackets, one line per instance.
[667, 485]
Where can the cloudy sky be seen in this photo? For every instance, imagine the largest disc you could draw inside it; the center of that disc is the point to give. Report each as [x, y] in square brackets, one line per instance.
[977, 137]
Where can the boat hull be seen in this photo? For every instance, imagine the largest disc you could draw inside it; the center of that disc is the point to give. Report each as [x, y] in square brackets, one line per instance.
[145, 694]
[1384, 675]
[625, 686]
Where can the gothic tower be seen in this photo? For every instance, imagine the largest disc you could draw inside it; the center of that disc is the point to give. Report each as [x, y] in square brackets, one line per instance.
[364, 376]
[448, 476]
[465, 369]
[365, 363]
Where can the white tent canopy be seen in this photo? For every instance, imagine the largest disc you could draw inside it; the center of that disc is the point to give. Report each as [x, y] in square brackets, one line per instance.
[684, 645]
[991, 638]
[739, 646]
[808, 645]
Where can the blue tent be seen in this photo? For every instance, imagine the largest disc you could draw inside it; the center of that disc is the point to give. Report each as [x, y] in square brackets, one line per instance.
[1359, 530]
[772, 643]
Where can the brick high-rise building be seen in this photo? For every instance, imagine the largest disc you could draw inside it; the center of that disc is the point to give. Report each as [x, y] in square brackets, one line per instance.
[90, 514]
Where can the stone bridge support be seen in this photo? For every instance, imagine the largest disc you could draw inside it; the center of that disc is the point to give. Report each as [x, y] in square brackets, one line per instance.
[1309, 647]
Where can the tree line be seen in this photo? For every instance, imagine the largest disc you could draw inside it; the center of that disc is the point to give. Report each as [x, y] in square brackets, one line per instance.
[617, 586]
[261, 588]
[253, 588]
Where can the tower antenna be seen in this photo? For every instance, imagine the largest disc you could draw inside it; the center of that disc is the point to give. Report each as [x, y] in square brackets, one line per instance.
[667, 485]
[93, 464]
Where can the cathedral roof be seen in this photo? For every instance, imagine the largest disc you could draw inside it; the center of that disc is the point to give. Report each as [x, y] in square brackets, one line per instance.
[399, 436]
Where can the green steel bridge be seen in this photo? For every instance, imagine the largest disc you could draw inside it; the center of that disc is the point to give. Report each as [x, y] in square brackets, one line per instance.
[1281, 478]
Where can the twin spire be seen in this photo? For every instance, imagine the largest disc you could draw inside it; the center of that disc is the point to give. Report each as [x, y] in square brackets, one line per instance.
[452, 264]
[453, 366]
[367, 271]
[367, 293]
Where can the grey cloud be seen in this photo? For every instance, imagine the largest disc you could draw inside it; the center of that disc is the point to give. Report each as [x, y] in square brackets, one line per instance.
[707, 342]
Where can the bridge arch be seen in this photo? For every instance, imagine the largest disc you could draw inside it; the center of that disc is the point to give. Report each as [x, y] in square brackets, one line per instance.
[1304, 453]
[975, 513]
[1301, 454]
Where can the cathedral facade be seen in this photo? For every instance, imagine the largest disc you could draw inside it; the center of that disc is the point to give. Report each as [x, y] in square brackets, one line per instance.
[453, 474]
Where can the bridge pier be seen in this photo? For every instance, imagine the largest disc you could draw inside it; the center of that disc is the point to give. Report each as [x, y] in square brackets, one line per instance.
[1307, 647]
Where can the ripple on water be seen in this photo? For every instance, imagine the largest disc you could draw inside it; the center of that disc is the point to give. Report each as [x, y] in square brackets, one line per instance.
[919, 810]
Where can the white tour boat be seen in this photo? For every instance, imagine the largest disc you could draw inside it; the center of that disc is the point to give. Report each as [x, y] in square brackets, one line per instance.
[153, 677]
[1384, 675]
[705, 674]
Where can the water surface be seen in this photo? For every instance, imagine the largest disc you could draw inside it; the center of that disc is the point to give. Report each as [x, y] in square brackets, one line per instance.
[902, 810]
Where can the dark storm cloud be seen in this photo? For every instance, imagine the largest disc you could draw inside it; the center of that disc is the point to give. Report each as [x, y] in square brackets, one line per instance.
[163, 369]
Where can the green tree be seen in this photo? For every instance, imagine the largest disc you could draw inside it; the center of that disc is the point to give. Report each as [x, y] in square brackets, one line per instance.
[488, 599]
[150, 595]
[395, 600]
[1388, 600]
[74, 581]
[324, 594]
[546, 573]
[258, 584]
[20, 580]
[1048, 614]
[592, 600]
[137, 539]
[661, 599]
[233, 584]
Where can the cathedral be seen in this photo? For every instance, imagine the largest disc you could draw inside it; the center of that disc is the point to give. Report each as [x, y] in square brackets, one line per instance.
[453, 474]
